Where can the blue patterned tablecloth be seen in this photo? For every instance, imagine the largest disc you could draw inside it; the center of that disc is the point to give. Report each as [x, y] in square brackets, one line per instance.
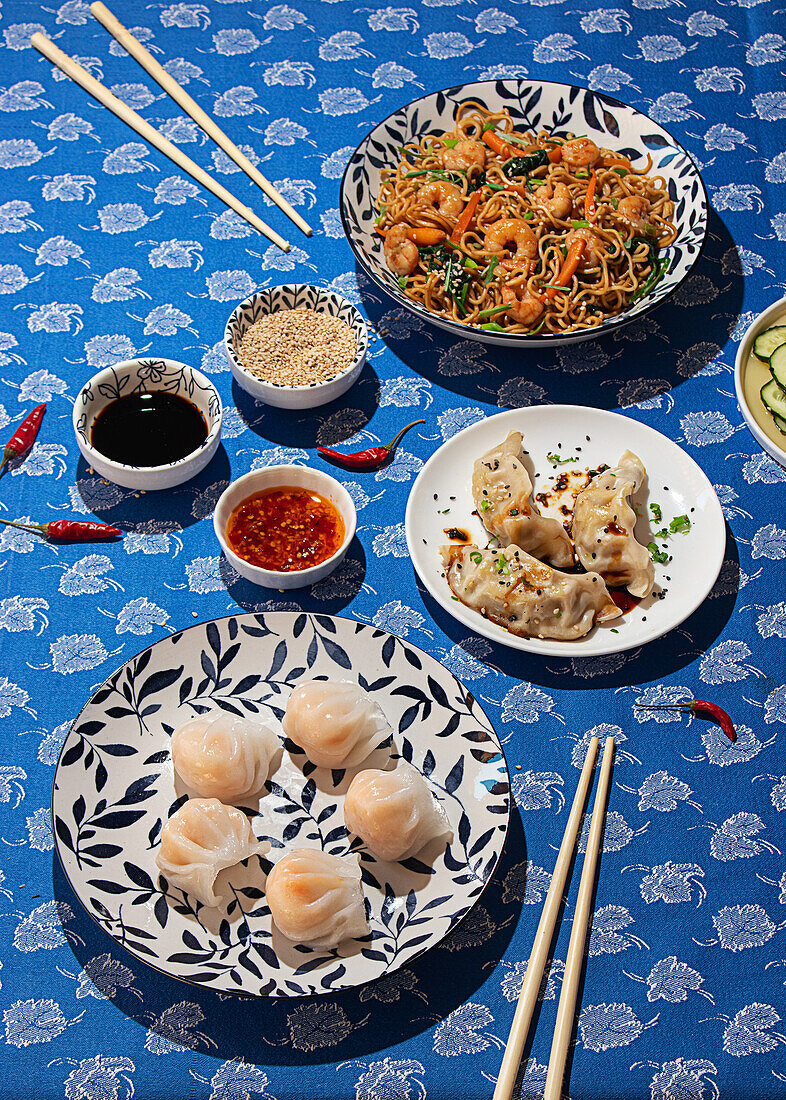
[108, 250]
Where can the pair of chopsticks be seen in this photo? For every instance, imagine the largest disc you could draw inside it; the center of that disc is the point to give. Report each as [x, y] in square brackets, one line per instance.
[76, 73]
[548, 920]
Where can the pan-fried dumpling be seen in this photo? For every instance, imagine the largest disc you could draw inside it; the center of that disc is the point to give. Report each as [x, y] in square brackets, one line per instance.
[316, 898]
[201, 839]
[511, 588]
[337, 724]
[501, 489]
[394, 812]
[224, 756]
[603, 523]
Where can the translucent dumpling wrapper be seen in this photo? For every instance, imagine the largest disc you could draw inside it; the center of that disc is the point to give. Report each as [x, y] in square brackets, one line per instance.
[223, 755]
[316, 899]
[201, 839]
[603, 525]
[525, 596]
[337, 724]
[394, 812]
[502, 491]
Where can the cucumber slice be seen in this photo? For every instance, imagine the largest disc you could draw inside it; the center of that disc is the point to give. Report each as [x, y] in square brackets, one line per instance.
[766, 342]
[780, 422]
[778, 366]
[774, 398]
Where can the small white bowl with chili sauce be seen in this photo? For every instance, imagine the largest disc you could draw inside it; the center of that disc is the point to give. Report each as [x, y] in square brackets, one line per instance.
[257, 373]
[148, 423]
[270, 521]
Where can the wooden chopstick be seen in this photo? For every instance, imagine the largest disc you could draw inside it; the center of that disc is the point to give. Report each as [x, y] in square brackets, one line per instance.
[80, 76]
[191, 107]
[581, 919]
[543, 936]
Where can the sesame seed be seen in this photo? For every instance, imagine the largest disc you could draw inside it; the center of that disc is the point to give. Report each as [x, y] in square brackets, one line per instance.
[297, 347]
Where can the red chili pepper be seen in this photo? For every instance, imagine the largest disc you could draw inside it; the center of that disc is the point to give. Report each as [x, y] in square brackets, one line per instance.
[68, 530]
[371, 459]
[24, 436]
[697, 706]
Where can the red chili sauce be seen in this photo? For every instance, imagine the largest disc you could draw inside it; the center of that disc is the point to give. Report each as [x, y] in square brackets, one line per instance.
[285, 529]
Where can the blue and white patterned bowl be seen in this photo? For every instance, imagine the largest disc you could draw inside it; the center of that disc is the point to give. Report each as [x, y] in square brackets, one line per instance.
[147, 376]
[294, 296]
[558, 108]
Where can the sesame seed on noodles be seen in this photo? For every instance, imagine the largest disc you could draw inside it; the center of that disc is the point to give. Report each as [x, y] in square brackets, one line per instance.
[297, 347]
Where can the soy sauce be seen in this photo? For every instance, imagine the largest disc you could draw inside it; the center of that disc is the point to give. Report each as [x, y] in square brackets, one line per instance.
[148, 429]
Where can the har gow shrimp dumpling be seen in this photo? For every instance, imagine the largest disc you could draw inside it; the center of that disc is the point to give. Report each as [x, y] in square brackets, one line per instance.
[316, 898]
[337, 724]
[394, 812]
[201, 839]
[224, 756]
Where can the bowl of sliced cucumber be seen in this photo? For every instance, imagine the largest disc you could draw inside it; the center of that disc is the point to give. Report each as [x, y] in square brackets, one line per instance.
[760, 379]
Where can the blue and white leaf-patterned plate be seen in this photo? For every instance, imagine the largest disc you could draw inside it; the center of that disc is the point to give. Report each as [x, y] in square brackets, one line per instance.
[114, 787]
[560, 109]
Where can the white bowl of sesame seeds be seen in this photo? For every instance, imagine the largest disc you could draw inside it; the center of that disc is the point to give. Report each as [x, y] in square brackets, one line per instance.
[296, 346]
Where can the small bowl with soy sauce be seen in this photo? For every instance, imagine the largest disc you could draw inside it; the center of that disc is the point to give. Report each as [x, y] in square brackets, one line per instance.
[285, 526]
[148, 423]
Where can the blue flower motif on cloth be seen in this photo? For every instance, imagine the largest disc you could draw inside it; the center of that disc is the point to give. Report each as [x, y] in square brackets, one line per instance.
[127, 158]
[165, 320]
[738, 197]
[698, 290]
[318, 1026]
[122, 217]
[42, 929]
[734, 839]
[51, 743]
[12, 695]
[606, 21]
[333, 165]
[14, 217]
[391, 540]
[103, 977]
[391, 1077]
[100, 1078]
[283, 131]
[526, 884]
[117, 286]
[722, 751]
[24, 96]
[342, 101]
[57, 251]
[398, 619]
[461, 1032]
[518, 393]
[772, 623]
[343, 46]
[454, 420]
[672, 883]
[10, 783]
[68, 188]
[446, 44]
[703, 428]
[742, 926]
[463, 358]
[684, 1079]
[180, 130]
[725, 663]
[12, 279]
[77, 653]
[173, 1031]
[403, 467]
[204, 575]
[706, 25]
[605, 1026]
[538, 790]
[230, 43]
[577, 361]
[604, 730]
[185, 15]
[769, 542]
[391, 75]
[174, 191]
[291, 74]
[214, 361]
[607, 78]
[526, 703]
[514, 979]
[139, 616]
[557, 47]
[750, 1032]
[607, 936]
[39, 830]
[107, 349]
[224, 164]
[663, 792]
[237, 1080]
[767, 49]
[86, 576]
[286, 456]
[771, 106]
[28, 1022]
[56, 317]
[229, 286]
[723, 138]
[18, 613]
[672, 980]
[236, 101]
[717, 79]
[466, 658]
[19, 153]
[394, 19]
[226, 227]
[617, 833]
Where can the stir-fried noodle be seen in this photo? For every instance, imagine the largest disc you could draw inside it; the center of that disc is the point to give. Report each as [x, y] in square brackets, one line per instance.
[522, 233]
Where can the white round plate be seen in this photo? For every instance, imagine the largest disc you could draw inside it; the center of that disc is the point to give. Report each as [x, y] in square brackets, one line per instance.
[595, 436]
[114, 787]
